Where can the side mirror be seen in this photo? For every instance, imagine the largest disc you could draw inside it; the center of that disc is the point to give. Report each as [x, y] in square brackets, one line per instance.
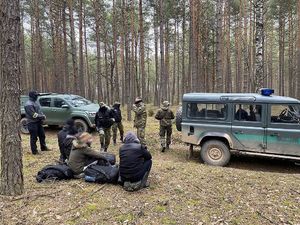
[65, 106]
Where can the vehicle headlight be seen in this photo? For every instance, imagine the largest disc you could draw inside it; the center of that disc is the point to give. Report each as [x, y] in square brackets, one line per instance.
[91, 114]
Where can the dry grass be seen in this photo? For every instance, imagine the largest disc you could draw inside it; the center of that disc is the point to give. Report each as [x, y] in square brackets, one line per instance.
[248, 191]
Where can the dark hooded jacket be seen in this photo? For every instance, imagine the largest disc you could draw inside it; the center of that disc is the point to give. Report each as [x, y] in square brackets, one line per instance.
[132, 156]
[104, 117]
[65, 138]
[33, 110]
[117, 113]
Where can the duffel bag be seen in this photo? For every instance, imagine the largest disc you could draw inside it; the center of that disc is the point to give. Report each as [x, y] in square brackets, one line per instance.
[110, 157]
[55, 172]
[101, 174]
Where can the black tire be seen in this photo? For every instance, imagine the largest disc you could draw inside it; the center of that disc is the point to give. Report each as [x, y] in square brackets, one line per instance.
[23, 125]
[81, 125]
[215, 153]
[178, 118]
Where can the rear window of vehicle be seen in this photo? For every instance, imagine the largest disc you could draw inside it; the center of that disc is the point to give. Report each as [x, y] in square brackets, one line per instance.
[45, 102]
[207, 111]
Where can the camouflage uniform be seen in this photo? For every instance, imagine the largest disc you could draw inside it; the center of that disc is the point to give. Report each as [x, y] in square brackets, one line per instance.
[104, 120]
[165, 117]
[118, 122]
[140, 119]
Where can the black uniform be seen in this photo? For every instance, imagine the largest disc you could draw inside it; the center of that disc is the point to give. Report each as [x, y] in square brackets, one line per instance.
[118, 122]
[65, 138]
[35, 119]
[104, 120]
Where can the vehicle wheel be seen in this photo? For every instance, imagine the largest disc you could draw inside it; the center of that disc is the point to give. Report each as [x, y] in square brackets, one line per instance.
[215, 153]
[81, 125]
[24, 128]
[178, 118]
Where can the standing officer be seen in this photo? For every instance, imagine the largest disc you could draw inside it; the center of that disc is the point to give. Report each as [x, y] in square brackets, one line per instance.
[118, 122]
[165, 117]
[104, 120]
[140, 119]
[35, 119]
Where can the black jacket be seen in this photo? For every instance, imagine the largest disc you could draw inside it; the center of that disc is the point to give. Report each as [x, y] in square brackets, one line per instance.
[132, 157]
[33, 112]
[117, 114]
[65, 140]
[104, 117]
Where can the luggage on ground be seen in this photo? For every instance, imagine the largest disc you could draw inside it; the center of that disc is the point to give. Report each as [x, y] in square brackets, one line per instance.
[55, 172]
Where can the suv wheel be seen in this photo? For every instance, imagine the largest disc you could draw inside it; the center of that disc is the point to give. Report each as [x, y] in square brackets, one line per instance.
[23, 124]
[81, 125]
[178, 119]
[215, 153]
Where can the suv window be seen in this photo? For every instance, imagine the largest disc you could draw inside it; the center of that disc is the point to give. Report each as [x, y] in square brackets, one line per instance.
[58, 102]
[45, 102]
[285, 113]
[207, 111]
[247, 112]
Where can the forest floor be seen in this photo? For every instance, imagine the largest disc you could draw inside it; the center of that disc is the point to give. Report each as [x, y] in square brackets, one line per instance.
[247, 191]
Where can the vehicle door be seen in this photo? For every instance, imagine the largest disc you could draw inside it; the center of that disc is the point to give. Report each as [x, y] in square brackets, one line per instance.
[283, 131]
[248, 126]
[61, 111]
[202, 118]
[45, 103]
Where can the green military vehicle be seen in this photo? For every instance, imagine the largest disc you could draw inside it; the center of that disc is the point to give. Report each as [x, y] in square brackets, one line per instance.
[253, 124]
[60, 107]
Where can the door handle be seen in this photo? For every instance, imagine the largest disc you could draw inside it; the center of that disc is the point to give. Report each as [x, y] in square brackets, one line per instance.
[274, 135]
[239, 132]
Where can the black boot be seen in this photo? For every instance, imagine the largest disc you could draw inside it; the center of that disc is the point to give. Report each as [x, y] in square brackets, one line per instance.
[121, 139]
[115, 142]
[168, 146]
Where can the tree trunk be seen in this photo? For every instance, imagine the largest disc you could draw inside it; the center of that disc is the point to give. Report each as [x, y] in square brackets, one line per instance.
[259, 40]
[219, 43]
[11, 182]
[142, 49]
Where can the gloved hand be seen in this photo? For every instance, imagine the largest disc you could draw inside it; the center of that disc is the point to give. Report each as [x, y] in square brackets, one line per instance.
[134, 106]
[113, 119]
[101, 131]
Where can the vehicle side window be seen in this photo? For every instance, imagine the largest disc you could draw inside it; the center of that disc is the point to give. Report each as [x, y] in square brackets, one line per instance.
[58, 102]
[247, 112]
[45, 102]
[207, 111]
[285, 113]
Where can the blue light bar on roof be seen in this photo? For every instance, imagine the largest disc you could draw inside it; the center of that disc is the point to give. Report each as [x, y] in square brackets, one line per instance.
[266, 91]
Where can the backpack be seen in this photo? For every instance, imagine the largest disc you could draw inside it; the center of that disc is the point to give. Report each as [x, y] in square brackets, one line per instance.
[96, 173]
[110, 157]
[55, 172]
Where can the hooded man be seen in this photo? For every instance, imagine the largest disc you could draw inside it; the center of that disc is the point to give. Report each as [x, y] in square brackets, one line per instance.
[65, 138]
[35, 118]
[140, 119]
[118, 122]
[104, 120]
[135, 163]
[165, 117]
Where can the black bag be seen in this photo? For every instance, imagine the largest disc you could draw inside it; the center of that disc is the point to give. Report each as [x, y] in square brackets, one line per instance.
[101, 174]
[55, 172]
[110, 157]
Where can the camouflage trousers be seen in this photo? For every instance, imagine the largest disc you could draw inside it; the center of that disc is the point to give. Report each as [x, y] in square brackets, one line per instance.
[140, 131]
[115, 128]
[105, 138]
[165, 133]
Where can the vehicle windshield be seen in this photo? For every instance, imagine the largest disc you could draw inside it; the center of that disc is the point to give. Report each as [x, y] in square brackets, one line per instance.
[77, 101]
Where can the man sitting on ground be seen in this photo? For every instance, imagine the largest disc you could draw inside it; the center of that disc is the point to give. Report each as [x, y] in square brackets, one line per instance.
[82, 154]
[65, 138]
[135, 163]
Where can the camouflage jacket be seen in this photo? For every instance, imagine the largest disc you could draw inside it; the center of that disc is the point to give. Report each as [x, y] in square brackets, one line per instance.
[165, 117]
[140, 118]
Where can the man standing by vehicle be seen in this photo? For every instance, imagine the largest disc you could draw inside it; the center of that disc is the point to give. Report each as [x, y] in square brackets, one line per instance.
[104, 120]
[165, 117]
[35, 118]
[118, 122]
[140, 119]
